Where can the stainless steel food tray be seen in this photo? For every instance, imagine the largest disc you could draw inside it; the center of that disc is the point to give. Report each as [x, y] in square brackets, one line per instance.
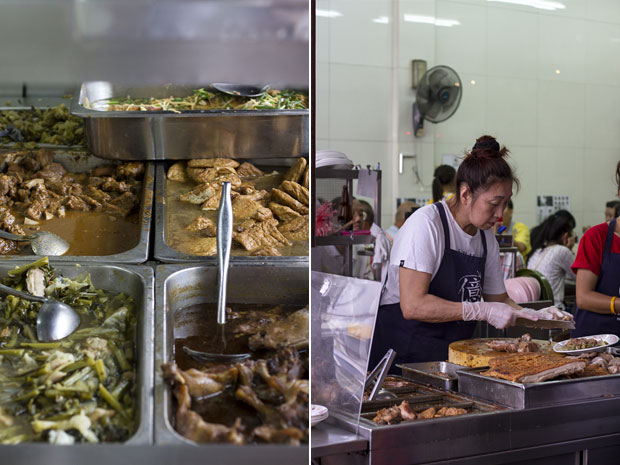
[158, 135]
[27, 103]
[180, 286]
[167, 254]
[80, 161]
[136, 281]
[545, 394]
[426, 373]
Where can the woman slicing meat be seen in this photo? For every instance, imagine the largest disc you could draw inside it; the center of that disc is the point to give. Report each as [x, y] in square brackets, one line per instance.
[598, 278]
[444, 260]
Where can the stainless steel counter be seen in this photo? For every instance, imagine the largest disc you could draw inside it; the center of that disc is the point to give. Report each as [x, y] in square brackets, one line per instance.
[328, 439]
[568, 434]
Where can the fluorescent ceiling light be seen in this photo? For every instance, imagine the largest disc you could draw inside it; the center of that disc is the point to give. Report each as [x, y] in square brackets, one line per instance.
[381, 20]
[431, 20]
[328, 13]
[540, 4]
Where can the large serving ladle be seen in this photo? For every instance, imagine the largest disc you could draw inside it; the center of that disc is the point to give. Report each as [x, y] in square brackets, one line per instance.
[42, 242]
[240, 90]
[55, 321]
[224, 240]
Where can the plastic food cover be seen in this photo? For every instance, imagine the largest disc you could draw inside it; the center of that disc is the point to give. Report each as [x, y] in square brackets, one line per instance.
[343, 317]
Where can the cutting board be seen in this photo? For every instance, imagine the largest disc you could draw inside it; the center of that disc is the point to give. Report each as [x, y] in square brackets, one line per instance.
[474, 353]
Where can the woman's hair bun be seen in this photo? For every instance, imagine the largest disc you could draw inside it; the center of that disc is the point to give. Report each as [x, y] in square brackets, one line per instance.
[486, 143]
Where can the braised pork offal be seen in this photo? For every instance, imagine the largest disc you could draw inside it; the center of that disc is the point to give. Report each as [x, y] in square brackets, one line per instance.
[35, 189]
[404, 412]
[270, 210]
[265, 400]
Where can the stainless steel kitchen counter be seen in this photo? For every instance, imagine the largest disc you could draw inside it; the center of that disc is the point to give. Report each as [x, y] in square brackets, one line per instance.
[559, 434]
[328, 439]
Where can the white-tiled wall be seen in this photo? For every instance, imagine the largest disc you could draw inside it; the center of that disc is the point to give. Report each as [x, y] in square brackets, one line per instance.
[545, 83]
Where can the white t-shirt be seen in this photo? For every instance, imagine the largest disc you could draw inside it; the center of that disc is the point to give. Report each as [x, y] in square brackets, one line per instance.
[419, 245]
[554, 262]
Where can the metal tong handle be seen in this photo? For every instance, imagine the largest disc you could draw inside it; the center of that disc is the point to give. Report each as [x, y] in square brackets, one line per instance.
[15, 237]
[23, 295]
[224, 240]
[379, 372]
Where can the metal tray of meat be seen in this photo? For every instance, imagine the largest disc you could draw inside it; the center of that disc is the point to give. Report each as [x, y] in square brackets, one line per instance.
[181, 286]
[158, 135]
[167, 254]
[438, 374]
[544, 394]
[80, 161]
[136, 281]
[424, 398]
[27, 104]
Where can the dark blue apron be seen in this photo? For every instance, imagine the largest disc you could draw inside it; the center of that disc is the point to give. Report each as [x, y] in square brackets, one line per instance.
[460, 278]
[589, 323]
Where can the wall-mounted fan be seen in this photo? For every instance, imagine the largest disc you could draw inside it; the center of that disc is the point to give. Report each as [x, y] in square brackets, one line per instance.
[438, 97]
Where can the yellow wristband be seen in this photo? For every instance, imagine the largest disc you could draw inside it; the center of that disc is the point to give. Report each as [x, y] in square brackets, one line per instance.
[612, 305]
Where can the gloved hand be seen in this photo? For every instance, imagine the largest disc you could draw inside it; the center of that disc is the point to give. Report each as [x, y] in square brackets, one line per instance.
[553, 313]
[498, 314]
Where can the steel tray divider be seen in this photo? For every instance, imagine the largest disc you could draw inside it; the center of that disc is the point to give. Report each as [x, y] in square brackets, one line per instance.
[139, 254]
[166, 254]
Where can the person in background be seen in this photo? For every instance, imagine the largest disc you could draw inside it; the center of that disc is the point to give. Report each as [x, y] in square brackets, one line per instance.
[552, 244]
[444, 183]
[402, 209]
[610, 210]
[598, 278]
[520, 232]
[367, 264]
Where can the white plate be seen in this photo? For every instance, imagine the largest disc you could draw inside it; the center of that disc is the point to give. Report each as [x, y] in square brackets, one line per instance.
[334, 163]
[608, 339]
[321, 154]
[318, 413]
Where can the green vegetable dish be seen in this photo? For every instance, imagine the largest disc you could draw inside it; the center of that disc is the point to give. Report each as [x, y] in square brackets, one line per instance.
[55, 126]
[582, 343]
[79, 389]
[202, 99]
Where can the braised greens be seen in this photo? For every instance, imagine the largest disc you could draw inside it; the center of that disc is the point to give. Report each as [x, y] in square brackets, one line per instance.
[55, 126]
[79, 389]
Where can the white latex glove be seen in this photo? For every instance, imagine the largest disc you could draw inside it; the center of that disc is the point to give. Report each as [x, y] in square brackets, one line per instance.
[498, 314]
[554, 313]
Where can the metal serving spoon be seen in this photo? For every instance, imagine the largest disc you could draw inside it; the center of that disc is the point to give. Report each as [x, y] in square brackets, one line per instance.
[224, 240]
[42, 242]
[240, 90]
[55, 320]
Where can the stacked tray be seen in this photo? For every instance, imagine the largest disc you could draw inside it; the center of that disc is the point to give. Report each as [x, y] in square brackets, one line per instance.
[158, 135]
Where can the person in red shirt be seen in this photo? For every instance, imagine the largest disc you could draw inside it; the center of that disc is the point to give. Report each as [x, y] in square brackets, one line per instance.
[598, 279]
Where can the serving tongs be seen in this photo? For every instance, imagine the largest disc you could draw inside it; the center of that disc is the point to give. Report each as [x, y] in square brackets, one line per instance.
[224, 240]
[378, 374]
